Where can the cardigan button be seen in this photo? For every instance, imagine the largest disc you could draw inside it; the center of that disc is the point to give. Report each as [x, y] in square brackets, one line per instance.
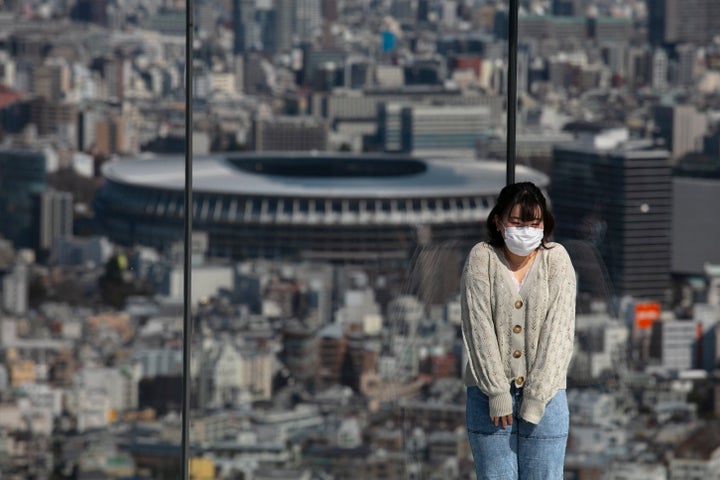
[517, 354]
[518, 303]
[517, 329]
[519, 381]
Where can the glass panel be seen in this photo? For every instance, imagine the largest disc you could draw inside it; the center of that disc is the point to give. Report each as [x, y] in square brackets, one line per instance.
[627, 156]
[91, 98]
[347, 154]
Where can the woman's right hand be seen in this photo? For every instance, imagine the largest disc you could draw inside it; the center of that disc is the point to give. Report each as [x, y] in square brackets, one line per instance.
[505, 420]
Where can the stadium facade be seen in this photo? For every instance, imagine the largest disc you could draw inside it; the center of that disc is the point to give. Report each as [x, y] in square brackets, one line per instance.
[343, 208]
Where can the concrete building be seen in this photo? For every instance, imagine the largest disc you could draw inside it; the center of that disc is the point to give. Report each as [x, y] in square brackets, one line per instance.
[681, 127]
[55, 218]
[659, 69]
[698, 457]
[425, 129]
[163, 362]
[15, 288]
[81, 250]
[675, 344]
[22, 178]
[235, 375]
[693, 244]
[615, 195]
[308, 19]
[290, 134]
[678, 21]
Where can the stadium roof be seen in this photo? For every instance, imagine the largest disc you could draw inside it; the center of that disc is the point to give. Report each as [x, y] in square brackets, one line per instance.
[308, 174]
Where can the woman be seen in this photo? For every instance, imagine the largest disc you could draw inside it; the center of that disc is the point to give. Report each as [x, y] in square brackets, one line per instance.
[518, 321]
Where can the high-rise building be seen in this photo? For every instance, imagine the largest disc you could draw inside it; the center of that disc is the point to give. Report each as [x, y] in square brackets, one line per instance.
[685, 74]
[15, 290]
[243, 11]
[51, 80]
[284, 26]
[682, 127]
[266, 19]
[674, 344]
[423, 10]
[659, 74]
[330, 10]
[612, 199]
[22, 177]
[55, 217]
[695, 237]
[308, 18]
[676, 21]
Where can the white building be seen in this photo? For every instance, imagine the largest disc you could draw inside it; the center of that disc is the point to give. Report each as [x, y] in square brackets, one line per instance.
[235, 375]
[207, 280]
[118, 385]
[77, 251]
[590, 407]
[15, 290]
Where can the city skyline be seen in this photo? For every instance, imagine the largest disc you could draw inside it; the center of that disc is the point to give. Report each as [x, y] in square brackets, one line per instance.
[349, 368]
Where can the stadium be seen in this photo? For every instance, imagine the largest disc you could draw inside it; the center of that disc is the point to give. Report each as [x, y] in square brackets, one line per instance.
[343, 208]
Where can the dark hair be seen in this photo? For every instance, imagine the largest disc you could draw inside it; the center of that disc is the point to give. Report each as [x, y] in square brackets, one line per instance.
[529, 197]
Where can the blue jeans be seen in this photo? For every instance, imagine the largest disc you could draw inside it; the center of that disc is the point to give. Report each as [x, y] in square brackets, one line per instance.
[523, 451]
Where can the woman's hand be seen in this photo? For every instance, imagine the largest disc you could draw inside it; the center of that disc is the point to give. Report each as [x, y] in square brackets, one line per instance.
[506, 420]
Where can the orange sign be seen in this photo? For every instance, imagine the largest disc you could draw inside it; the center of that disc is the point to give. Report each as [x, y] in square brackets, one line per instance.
[646, 313]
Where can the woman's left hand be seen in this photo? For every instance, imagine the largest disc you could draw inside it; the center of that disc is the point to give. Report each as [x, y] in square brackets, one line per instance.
[505, 420]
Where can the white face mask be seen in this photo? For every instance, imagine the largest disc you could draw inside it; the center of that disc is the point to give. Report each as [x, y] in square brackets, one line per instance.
[522, 240]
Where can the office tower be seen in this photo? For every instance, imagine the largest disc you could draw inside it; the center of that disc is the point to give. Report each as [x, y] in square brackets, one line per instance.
[673, 344]
[695, 184]
[15, 290]
[266, 19]
[500, 24]
[206, 18]
[421, 129]
[308, 19]
[330, 10]
[315, 61]
[685, 73]
[22, 177]
[681, 127]
[659, 73]
[638, 69]
[611, 29]
[656, 21]
[54, 217]
[284, 26]
[243, 12]
[677, 21]
[51, 80]
[290, 133]
[612, 199]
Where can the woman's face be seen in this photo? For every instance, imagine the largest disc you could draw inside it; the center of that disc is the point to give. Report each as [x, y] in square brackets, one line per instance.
[514, 219]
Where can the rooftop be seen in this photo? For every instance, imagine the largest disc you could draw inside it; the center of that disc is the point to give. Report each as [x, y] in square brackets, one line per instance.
[309, 174]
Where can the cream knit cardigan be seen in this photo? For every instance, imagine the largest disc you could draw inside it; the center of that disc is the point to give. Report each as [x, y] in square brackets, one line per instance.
[524, 337]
